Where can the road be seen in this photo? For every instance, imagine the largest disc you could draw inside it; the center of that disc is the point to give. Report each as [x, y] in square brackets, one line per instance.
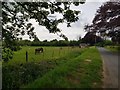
[110, 68]
[0, 68]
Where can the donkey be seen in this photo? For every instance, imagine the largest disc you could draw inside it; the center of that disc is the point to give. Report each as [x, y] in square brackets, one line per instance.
[38, 50]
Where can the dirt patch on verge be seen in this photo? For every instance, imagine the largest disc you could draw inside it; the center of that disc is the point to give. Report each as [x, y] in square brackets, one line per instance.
[73, 79]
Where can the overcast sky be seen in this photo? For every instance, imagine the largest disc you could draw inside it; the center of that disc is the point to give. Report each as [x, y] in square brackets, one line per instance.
[88, 11]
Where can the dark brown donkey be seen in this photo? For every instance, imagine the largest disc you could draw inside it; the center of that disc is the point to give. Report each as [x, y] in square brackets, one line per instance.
[38, 50]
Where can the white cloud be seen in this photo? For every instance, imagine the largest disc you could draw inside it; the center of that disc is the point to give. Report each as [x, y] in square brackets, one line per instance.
[97, 0]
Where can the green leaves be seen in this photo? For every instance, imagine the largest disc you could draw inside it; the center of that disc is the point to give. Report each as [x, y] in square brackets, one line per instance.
[76, 12]
[76, 3]
[39, 11]
[58, 3]
[44, 4]
[107, 20]
[70, 16]
[63, 36]
[7, 54]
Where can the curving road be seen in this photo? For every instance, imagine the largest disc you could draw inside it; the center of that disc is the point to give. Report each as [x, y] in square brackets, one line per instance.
[110, 67]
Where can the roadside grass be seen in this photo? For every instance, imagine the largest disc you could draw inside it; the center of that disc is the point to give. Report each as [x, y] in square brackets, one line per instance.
[113, 48]
[83, 71]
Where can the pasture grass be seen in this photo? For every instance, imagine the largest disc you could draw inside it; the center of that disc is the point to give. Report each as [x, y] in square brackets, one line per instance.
[48, 54]
[82, 71]
[113, 48]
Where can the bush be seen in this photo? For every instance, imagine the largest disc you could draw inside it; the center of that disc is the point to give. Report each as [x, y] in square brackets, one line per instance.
[7, 54]
[119, 49]
[104, 43]
[15, 48]
[108, 42]
[101, 44]
[14, 76]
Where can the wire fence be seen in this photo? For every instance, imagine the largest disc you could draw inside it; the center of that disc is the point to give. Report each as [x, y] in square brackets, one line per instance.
[50, 53]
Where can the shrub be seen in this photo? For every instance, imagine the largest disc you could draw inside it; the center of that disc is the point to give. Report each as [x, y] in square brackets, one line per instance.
[104, 43]
[7, 54]
[14, 76]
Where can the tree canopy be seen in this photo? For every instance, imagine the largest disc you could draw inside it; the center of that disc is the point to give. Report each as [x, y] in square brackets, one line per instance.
[91, 38]
[107, 20]
[15, 17]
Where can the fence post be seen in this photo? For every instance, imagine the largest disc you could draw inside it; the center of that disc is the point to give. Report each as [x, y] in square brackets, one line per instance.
[26, 56]
[64, 51]
[53, 54]
[59, 52]
[43, 55]
[68, 48]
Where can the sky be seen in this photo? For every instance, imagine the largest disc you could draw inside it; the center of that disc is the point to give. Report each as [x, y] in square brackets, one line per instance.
[88, 11]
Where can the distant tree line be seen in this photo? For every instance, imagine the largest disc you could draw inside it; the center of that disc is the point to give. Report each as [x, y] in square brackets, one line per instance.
[54, 42]
[89, 38]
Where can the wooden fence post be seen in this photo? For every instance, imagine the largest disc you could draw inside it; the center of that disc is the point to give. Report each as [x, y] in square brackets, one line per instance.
[59, 52]
[43, 55]
[64, 51]
[53, 54]
[26, 56]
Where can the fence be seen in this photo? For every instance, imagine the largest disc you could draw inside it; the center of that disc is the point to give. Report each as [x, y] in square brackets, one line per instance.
[54, 53]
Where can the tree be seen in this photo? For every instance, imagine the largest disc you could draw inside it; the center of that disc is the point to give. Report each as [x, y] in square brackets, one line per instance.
[36, 39]
[91, 38]
[53, 42]
[16, 16]
[18, 13]
[24, 42]
[107, 20]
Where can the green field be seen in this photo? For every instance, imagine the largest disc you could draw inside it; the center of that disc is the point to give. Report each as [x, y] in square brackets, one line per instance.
[48, 54]
[55, 68]
[113, 48]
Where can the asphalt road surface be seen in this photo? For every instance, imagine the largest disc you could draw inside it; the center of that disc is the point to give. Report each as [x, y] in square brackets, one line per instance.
[110, 68]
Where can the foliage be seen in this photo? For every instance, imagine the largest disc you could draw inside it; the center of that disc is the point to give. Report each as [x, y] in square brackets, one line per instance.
[54, 42]
[24, 42]
[7, 49]
[107, 21]
[7, 54]
[19, 13]
[15, 75]
[108, 42]
[91, 38]
[104, 43]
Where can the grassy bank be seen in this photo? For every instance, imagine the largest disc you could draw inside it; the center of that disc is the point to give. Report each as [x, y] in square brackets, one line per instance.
[83, 71]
